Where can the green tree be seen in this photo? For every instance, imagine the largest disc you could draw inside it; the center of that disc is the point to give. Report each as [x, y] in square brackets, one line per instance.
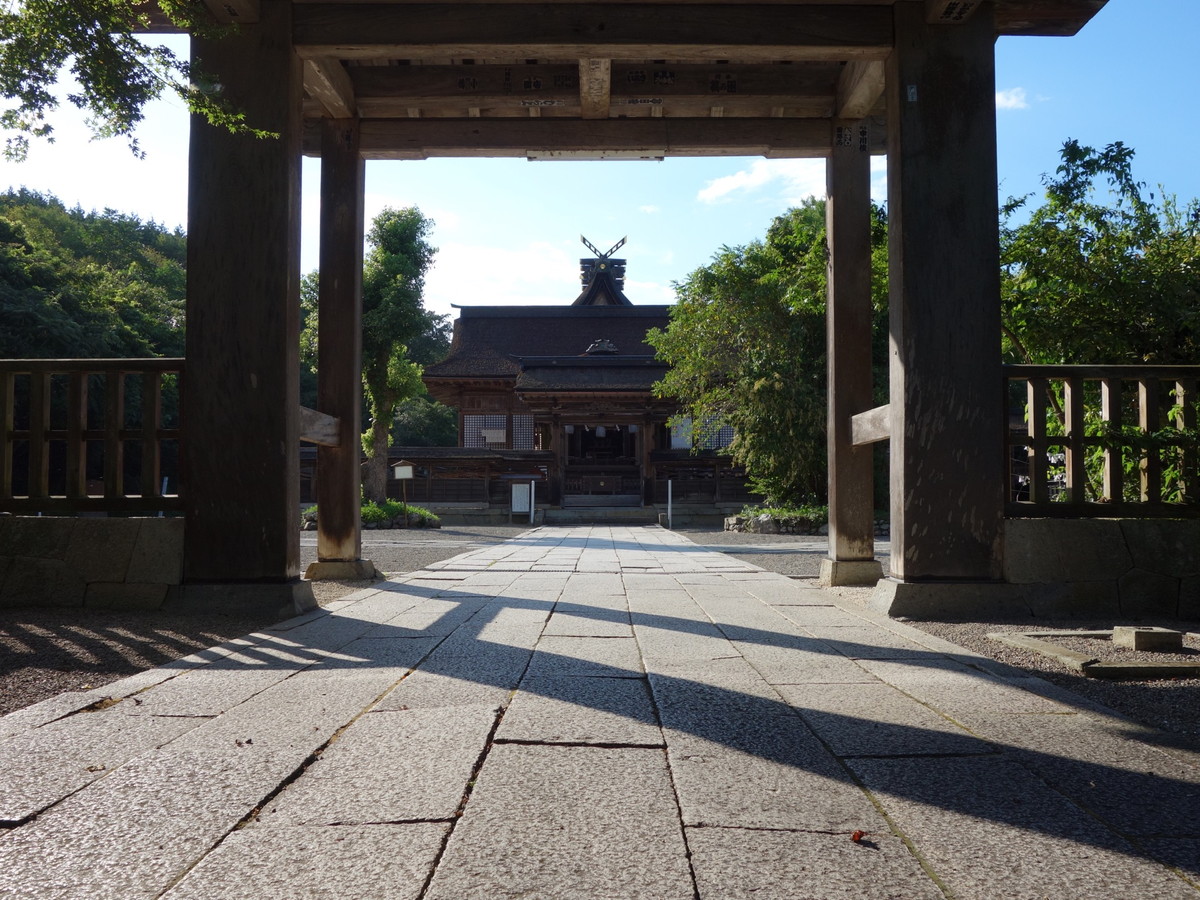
[76, 284]
[1101, 276]
[117, 74]
[423, 422]
[399, 336]
[746, 344]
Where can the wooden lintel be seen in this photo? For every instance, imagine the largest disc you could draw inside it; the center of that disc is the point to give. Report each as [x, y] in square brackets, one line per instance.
[318, 428]
[328, 83]
[949, 12]
[423, 138]
[234, 11]
[757, 31]
[386, 91]
[595, 87]
[871, 426]
[860, 89]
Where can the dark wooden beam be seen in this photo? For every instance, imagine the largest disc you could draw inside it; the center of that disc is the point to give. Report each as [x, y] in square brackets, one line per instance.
[871, 426]
[423, 138]
[751, 31]
[327, 82]
[860, 90]
[595, 87]
[848, 348]
[949, 12]
[391, 91]
[241, 422]
[339, 350]
[319, 428]
[946, 386]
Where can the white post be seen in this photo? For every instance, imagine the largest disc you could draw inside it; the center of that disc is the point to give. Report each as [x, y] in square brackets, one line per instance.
[670, 485]
[532, 494]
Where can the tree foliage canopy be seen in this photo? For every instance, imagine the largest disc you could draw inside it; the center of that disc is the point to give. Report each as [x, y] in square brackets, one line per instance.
[76, 284]
[117, 74]
[746, 344]
[1101, 274]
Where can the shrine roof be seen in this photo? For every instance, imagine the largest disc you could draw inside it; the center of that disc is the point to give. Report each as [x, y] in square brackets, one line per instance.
[494, 341]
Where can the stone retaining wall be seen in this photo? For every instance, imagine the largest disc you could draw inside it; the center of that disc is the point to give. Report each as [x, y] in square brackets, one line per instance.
[1126, 567]
[107, 563]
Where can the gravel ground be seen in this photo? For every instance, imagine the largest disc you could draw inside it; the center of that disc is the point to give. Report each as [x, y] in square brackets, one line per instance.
[44, 652]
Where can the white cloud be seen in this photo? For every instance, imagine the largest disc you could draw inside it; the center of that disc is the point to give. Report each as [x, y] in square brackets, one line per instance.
[649, 209]
[794, 179]
[1012, 98]
[641, 292]
[535, 274]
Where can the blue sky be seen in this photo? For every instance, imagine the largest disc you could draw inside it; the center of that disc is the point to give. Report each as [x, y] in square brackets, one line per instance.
[508, 230]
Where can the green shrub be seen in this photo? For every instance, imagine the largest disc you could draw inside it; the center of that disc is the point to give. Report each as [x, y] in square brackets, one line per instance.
[372, 513]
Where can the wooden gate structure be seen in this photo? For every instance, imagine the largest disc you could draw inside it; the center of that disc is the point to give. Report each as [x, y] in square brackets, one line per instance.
[837, 79]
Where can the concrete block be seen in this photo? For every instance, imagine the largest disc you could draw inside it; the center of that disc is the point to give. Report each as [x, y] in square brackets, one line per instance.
[389, 767]
[1164, 546]
[158, 552]
[1148, 594]
[1053, 550]
[100, 549]
[1145, 637]
[740, 864]
[125, 596]
[567, 822]
[987, 827]
[341, 570]
[366, 862]
[949, 600]
[283, 599]
[844, 573]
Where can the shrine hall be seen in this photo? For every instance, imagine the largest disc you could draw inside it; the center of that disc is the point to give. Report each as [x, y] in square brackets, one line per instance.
[563, 396]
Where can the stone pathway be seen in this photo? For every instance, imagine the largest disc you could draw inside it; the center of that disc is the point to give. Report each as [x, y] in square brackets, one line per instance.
[590, 712]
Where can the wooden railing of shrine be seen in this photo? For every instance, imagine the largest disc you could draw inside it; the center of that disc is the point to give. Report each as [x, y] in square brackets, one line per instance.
[1103, 441]
[89, 435]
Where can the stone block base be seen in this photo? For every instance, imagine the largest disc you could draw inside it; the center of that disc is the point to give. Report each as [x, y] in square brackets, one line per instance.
[849, 572]
[282, 599]
[341, 570]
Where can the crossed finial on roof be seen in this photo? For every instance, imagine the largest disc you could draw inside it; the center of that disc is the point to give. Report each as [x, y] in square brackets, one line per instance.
[611, 250]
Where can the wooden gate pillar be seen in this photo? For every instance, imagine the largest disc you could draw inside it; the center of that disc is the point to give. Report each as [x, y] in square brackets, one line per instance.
[946, 404]
[339, 354]
[241, 409]
[848, 349]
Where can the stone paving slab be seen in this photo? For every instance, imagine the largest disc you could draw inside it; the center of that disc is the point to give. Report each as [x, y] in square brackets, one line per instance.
[354, 751]
[878, 720]
[404, 766]
[44, 765]
[593, 657]
[582, 711]
[988, 827]
[568, 822]
[366, 862]
[740, 864]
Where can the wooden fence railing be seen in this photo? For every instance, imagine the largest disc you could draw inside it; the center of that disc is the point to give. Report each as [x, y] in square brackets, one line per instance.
[84, 435]
[1098, 441]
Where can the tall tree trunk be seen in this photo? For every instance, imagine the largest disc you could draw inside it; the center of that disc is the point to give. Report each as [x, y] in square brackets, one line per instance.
[375, 471]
